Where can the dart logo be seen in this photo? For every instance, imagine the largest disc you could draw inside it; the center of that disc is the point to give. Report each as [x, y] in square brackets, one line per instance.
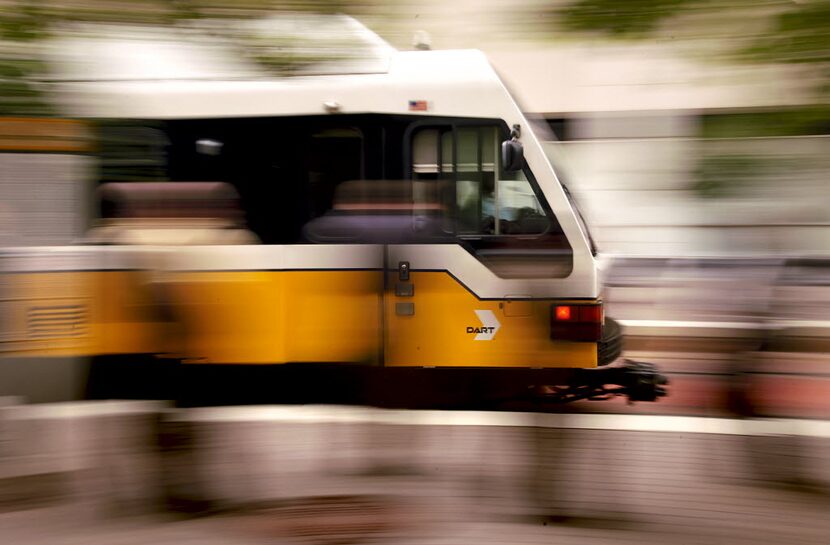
[488, 328]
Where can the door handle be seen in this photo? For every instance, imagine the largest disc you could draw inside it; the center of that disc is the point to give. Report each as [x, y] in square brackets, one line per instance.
[403, 271]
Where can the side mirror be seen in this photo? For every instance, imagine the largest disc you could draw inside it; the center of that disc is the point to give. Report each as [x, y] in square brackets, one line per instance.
[512, 155]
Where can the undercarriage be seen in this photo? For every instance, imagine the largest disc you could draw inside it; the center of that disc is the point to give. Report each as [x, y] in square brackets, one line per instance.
[189, 384]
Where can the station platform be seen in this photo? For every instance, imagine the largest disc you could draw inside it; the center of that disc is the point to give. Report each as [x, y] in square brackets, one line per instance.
[142, 472]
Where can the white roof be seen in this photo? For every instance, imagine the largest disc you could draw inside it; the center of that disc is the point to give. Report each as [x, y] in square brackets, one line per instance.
[453, 83]
[148, 72]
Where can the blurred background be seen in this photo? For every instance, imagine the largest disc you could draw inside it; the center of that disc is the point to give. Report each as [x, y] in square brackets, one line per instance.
[695, 135]
[689, 127]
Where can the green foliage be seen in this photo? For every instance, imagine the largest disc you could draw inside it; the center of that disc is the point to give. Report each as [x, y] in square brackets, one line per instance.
[796, 31]
[724, 175]
[21, 25]
[788, 122]
[24, 22]
[19, 93]
[801, 34]
[721, 176]
[632, 18]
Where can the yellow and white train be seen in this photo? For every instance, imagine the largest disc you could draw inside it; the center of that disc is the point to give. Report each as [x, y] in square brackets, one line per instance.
[389, 236]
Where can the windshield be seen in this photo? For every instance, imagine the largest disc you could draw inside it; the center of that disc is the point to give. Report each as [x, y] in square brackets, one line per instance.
[539, 125]
[544, 134]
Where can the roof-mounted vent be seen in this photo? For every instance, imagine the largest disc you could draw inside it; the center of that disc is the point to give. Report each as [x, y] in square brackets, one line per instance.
[422, 41]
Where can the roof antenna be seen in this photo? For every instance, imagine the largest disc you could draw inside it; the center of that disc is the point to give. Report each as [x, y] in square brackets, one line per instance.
[421, 41]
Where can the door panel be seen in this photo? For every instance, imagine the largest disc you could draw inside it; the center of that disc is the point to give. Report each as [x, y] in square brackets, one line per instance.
[437, 321]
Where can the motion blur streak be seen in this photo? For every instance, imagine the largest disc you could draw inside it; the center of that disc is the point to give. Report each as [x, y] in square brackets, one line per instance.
[275, 271]
[320, 474]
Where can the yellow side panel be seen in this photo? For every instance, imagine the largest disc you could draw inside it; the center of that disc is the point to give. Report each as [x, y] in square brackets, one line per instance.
[438, 333]
[126, 318]
[210, 317]
[278, 317]
[227, 317]
[78, 313]
[272, 317]
[333, 315]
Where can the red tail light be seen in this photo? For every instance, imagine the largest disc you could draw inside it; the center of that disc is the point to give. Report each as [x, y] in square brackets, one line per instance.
[562, 313]
[580, 322]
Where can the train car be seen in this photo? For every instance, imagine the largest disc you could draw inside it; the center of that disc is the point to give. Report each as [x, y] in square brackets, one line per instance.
[392, 234]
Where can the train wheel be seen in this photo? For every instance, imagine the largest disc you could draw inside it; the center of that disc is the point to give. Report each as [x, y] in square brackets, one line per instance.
[611, 345]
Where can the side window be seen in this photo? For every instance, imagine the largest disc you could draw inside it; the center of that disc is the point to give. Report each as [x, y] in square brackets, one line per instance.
[334, 156]
[494, 215]
[475, 187]
[477, 197]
